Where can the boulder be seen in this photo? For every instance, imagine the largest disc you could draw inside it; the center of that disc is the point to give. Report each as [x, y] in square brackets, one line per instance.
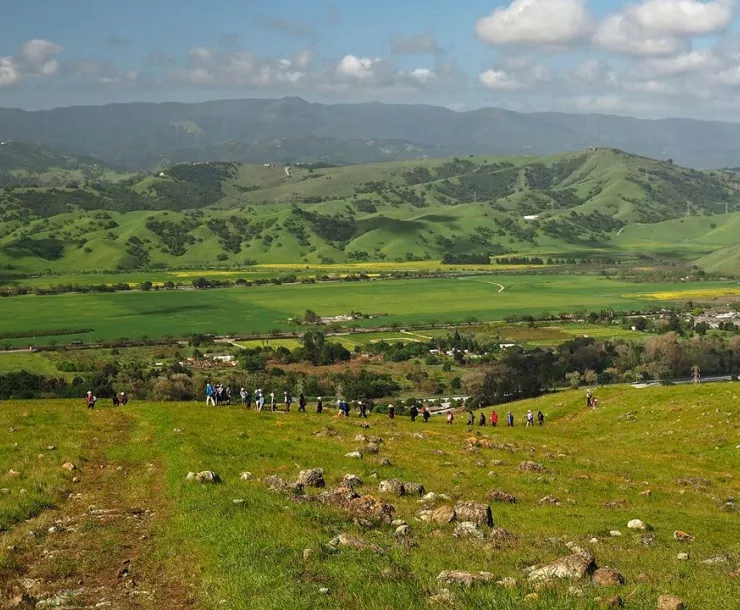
[361, 438]
[275, 483]
[392, 486]
[683, 556]
[385, 462]
[606, 577]
[414, 489]
[442, 515]
[314, 477]
[372, 448]
[507, 583]
[636, 524]
[356, 455]
[402, 530]
[615, 533]
[501, 496]
[468, 530]
[207, 476]
[478, 513]
[350, 480]
[549, 501]
[353, 542]
[69, 466]
[529, 466]
[246, 476]
[670, 602]
[682, 536]
[616, 504]
[361, 507]
[24, 601]
[465, 579]
[500, 536]
[613, 603]
[13, 474]
[575, 566]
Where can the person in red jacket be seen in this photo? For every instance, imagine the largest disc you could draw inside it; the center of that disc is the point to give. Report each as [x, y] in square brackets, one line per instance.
[494, 418]
[91, 400]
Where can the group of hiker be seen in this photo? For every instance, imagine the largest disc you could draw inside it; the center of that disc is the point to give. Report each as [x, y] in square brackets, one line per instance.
[482, 420]
[591, 400]
[118, 399]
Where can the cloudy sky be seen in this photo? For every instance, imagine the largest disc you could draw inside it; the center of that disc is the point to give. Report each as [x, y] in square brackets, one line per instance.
[646, 57]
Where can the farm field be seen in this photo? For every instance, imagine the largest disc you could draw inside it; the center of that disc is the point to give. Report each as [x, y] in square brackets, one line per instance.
[132, 516]
[266, 308]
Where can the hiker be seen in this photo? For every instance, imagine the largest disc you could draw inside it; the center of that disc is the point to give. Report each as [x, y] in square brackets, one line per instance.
[363, 409]
[450, 417]
[530, 419]
[319, 405]
[482, 419]
[288, 400]
[391, 412]
[541, 418]
[227, 394]
[510, 420]
[243, 396]
[210, 395]
[302, 403]
[471, 418]
[259, 399]
[91, 400]
[425, 415]
[116, 402]
[123, 400]
[414, 412]
[595, 402]
[273, 404]
[589, 397]
[494, 418]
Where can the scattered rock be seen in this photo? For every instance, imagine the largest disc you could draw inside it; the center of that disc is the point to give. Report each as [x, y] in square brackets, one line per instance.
[361, 438]
[613, 602]
[465, 579]
[549, 501]
[443, 599]
[372, 448]
[697, 483]
[365, 507]
[606, 577]
[507, 583]
[207, 476]
[441, 515]
[353, 542]
[531, 467]
[430, 498]
[616, 504]
[646, 493]
[575, 591]
[670, 602]
[500, 536]
[13, 474]
[69, 466]
[246, 476]
[313, 477]
[190, 477]
[615, 533]
[75, 479]
[402, 530]
[497, 462]
[713, 561]
[478, 513]
[683, 536]
[468, 530]
[648, 540]
[437, 452]
[636, 524]
[354, 455]
[275, 483]
[5, 491]
[392, 486]
[350, 480]
[414, 489]
[385, 462]
[501, 496]
[324, 591]
[24, 601]
[531, 597]
[682, 556]
[238, 501]
[575, 566]
[418, 436]
[307, 554]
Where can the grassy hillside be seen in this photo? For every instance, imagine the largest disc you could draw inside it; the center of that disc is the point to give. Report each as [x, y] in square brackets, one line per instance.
[593, 203]
[665, 456]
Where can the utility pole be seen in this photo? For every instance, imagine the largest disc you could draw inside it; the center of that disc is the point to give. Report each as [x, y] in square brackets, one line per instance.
[695, 374]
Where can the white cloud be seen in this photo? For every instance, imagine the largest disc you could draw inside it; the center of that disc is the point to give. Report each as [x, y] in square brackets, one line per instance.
[359, 68]
[682, 17]
[619, 34]
[678, 65]
[37, 58]
[536, 23]
[514, 74]
[501, 80]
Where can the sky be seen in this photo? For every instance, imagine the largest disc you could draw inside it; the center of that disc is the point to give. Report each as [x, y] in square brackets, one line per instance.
[652, 58]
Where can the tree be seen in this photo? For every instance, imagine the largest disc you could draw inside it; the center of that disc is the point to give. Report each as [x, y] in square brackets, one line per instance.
[573, 378]
[311, 317]
[146, 286]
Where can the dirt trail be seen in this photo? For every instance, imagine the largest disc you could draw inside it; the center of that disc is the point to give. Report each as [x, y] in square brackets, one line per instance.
[96, 550]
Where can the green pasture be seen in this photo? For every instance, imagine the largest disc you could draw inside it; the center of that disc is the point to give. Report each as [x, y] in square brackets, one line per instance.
[265, 308]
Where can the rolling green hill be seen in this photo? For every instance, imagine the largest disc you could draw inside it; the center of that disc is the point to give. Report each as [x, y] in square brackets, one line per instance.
[593, 203]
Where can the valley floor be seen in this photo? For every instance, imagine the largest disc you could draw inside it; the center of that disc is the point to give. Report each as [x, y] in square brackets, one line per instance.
[125, 529]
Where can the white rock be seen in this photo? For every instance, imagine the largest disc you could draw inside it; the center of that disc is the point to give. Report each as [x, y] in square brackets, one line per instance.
[615, 533]
[682, 556]
[636, 524]
[353, 454]
[246, 476]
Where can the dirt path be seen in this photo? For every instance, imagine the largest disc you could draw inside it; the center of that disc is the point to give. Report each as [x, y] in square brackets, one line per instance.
[500, 286]
[97, 549]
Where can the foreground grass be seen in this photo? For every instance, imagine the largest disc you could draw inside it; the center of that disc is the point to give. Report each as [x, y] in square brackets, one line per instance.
[251, 555]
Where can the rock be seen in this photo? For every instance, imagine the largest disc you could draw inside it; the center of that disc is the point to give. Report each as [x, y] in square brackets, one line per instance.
[356, 455]
[313, 477]
[501, 536]
[531, 597]
[75, 479]
[606, 577]
[324, 591]
[207, 476]
[437, 452]
[69, 466]
[392, 486]
[24, 601]
[350, 480]
[575, 566]
[549, 501]
[365, 507]
[190, 477]
[430, 498]
[648, 540]
[246, 476]
[616, 504]
[307, 554]
[385, 462]
[275, 483]
[636, 524]
[683, 536]
[238, 501]
[418, 436]
[613, 602]
[353, 542]
[615, 533]
[501, 496]
[478, 513]
[507, 583]
[646, 493]
[465, 579]
[372, 448]
[361, 438]
[575, 591]
[670, 602]
[468, 530]
[414, 489]
[398, 523]
[5, 491]
[531, 467]
[402, 530]
[13, 474]
[682, 556]
[441, 515]
[713, 561]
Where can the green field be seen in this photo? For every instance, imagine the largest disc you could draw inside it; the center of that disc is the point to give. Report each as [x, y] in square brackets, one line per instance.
[132, 507]
[264, 308]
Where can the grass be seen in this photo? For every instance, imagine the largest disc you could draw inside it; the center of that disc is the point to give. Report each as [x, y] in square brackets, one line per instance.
[263, 308]
[250, 556]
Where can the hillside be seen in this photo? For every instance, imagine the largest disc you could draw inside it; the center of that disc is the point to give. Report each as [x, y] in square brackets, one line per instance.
[594, 203]
[503, 504]
[142, 135]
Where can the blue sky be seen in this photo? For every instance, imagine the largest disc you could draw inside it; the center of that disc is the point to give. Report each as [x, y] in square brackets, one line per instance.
[646, 57]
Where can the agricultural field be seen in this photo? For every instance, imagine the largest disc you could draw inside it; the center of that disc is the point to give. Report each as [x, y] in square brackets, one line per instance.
[114, 530]
[266, 308]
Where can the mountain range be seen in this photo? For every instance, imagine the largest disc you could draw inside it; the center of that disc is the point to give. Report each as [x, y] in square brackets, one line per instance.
[138, 136]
